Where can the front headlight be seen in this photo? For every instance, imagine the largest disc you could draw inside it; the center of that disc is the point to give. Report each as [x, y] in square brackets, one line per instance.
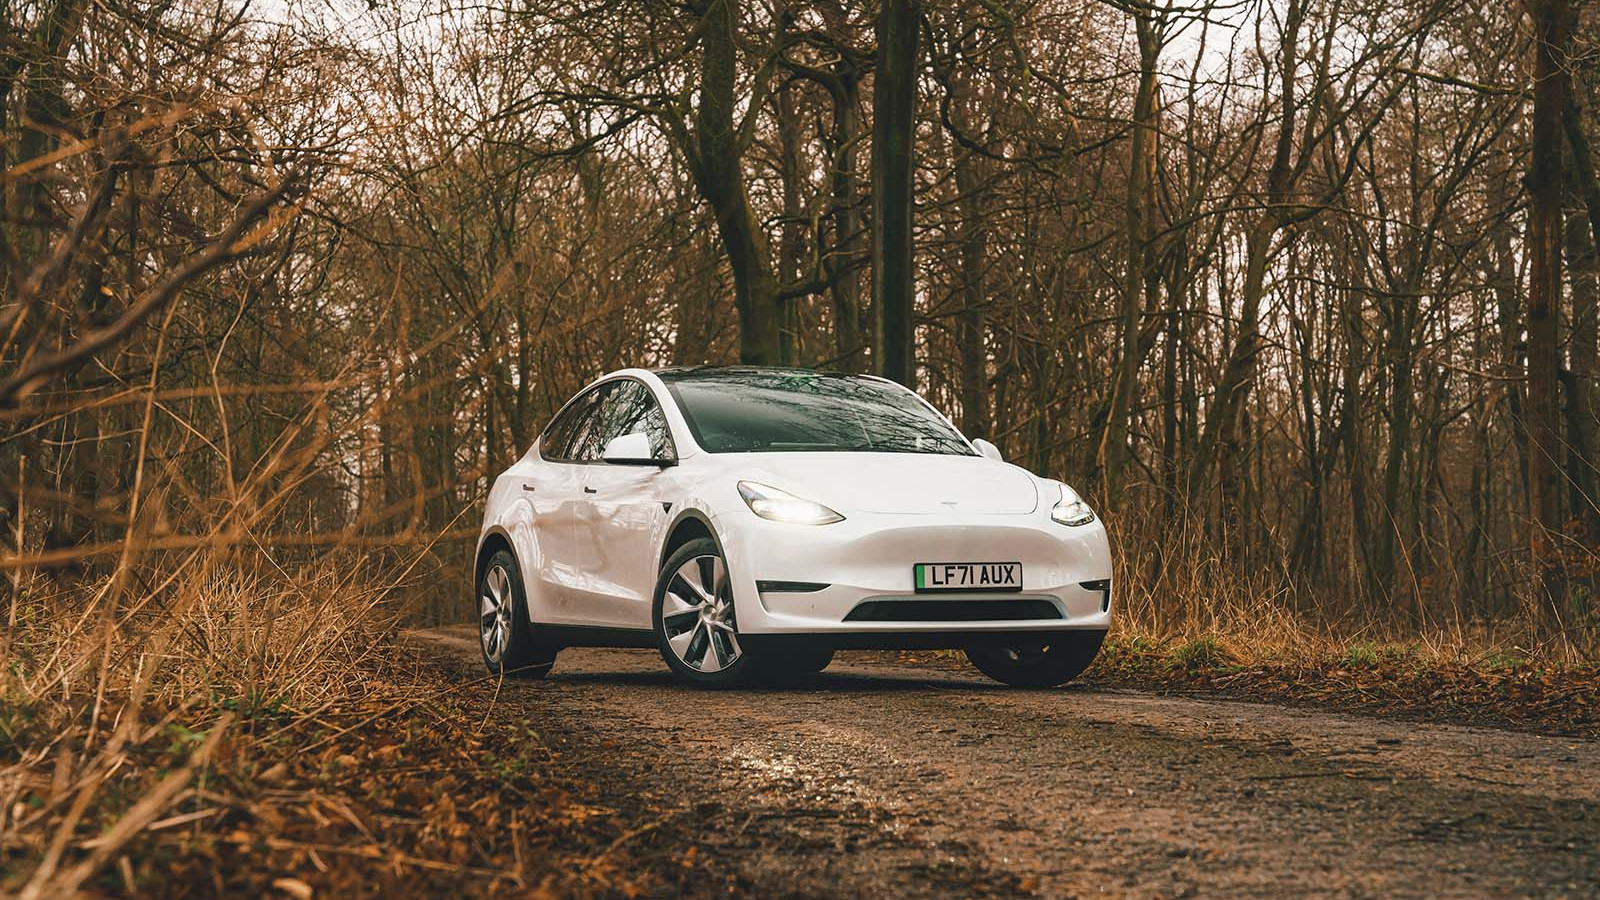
[782, 506]
[1071, 510]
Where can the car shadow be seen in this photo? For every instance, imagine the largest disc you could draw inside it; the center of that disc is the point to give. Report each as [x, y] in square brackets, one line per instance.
[845, 682]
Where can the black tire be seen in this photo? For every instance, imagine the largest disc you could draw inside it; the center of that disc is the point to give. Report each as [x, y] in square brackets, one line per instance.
[515, 653]
[718, 659]
[797, 659]
[1038, 662]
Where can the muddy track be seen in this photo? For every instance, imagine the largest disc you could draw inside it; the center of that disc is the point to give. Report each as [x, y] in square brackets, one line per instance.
[882, 780]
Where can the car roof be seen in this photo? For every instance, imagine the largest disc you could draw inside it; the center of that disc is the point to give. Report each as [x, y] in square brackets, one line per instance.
[730, 371]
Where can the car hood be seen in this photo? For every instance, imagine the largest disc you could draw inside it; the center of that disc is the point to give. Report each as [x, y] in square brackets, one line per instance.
[902, 483]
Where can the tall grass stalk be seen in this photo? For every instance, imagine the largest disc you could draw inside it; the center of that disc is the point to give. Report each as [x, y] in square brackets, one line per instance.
[1175, 583]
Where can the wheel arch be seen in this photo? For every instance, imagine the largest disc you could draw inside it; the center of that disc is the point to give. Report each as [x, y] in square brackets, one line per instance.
[687, 526]
[493, 541]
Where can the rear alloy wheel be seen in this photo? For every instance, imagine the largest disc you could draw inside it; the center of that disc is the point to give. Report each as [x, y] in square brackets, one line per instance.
[1038, 662]
[504, 634]
[697, 628]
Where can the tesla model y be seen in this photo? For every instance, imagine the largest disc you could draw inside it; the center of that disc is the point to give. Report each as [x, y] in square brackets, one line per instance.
[755, 520]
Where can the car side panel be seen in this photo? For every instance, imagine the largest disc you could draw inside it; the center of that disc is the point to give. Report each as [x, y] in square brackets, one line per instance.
[617, 532]
[557, 494]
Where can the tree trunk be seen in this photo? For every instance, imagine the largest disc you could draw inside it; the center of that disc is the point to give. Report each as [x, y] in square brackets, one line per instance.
[791, 253]
[719, 174]
[1219, 442]
[894, 103]
[1583, 255]
[1582, 419]
[843, 279]
[1358, 464]
[700, 288]
[1173, 328]
[1502, 238]
[1138, 211]
[970, 328]
[1391, 532]
[972, 237]
[1552, 39]
[1583, 162]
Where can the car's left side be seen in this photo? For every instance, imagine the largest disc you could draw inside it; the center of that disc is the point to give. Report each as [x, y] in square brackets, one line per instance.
[575, 529]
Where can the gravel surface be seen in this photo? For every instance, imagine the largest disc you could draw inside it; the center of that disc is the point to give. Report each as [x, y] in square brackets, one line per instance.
[880, 780]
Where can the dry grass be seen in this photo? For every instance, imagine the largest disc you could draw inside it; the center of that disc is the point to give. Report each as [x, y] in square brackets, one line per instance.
[1188, 621]
[116, 699]
[1175, 586]
[254, 729]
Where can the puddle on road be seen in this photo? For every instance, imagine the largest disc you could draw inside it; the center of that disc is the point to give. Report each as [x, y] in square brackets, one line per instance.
[808, 776]
[787, 771]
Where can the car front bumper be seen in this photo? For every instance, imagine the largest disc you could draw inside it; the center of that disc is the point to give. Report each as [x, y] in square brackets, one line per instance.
[870, 557]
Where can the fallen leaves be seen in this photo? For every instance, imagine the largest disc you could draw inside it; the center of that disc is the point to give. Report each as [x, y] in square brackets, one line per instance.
[409, 787]
[1547, 698]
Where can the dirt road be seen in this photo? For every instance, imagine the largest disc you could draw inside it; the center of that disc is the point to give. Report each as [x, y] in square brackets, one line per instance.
[880, 780]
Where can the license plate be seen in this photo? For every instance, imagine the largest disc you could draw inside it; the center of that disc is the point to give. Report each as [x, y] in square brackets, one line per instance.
[933, 577]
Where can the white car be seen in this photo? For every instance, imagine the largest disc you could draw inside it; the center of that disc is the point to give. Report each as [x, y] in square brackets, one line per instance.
[751, 521]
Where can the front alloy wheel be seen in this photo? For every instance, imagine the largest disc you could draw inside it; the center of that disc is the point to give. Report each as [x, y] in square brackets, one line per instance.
[696, 627]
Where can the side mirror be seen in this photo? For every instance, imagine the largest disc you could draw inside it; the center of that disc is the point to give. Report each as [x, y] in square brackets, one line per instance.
[988, 449]
[632, 450]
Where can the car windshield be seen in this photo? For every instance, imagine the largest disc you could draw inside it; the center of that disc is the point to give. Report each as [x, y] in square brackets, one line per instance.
[733, 412]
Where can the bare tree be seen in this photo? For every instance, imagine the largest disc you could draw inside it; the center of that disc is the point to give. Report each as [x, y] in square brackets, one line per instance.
[1552, 23]
[894, 102]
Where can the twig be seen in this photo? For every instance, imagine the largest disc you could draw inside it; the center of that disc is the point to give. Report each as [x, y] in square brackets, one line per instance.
[630, 835]
[400, 858]
[132, 822]
[221, 250]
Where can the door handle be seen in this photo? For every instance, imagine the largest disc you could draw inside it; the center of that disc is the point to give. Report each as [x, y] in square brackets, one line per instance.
[529, 487]
[589, 490]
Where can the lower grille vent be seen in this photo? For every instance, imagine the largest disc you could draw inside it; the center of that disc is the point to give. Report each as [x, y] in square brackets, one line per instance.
[1104, 587]
[952, 611]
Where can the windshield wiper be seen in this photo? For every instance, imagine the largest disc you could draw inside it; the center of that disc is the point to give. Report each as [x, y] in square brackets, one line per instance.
[806, 445]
